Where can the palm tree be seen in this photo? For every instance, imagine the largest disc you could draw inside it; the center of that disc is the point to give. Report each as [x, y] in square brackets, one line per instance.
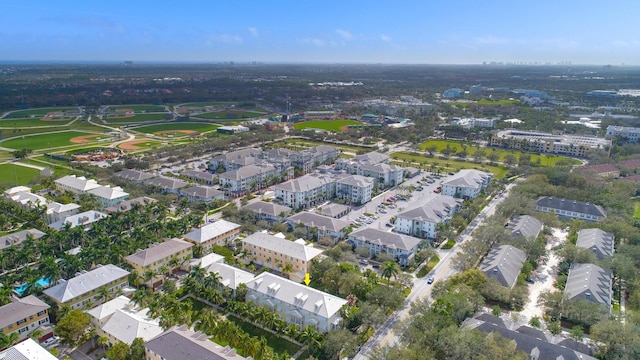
[208, 322]
[103, 342]
[389, 269]
[287, 269]
[149, 275]
[198, 273]
[8, 340]
[310, 337]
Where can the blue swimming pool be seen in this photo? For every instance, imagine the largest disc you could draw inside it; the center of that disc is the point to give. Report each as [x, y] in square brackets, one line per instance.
[43, 282]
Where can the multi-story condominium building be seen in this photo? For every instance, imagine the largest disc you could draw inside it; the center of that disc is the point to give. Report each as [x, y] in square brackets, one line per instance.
[181, 343]
[127, 205]
[248, 178]
[127, 324]
[84, 219]
[469, 123]
[134, 175]
[539, 142]
[161, 259]
[466, 184]
[590, 282]
[566, 208]
[306, 191]
[296, 303]
[23, 316]
[166, 184]
[310, 158]
[85, 288]
[234, 160]
[422, 221]
[630, 134]
[201, 193]
[385, 175]
[402, 247]
[319, 226]
[16, 238]
[504, 263]
[230, 276]
[275, 252]
[108, 196]
[355, 189]
[269, 211]
[220, 232]
[27, 350]
[76, 185]
[452, 93]
[600, 242]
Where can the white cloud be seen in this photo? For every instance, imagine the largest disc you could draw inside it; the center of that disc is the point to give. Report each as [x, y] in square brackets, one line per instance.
[385, 38]
[253, 31]
[344, 34]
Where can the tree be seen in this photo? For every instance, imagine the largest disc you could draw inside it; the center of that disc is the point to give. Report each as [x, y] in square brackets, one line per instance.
[577, 333]
[169, 286]
[8, 340]
[72, 326]
[137, 349]
[119, 351]
[339, 344]
[310, 337]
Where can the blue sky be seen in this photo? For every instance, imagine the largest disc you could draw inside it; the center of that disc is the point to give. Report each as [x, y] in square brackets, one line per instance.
[328, 31]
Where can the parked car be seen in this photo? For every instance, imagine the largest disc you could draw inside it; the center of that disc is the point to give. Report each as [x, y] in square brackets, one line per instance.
[376, 266]
[430, 280]
[389, 225]
[451, 173]
[383, 211]
[364, 262]
[50, 341]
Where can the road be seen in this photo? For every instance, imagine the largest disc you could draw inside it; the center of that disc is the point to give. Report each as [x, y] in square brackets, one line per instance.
[385, 335]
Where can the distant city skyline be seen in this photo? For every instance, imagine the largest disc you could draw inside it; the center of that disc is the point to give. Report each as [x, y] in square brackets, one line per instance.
[398, 32]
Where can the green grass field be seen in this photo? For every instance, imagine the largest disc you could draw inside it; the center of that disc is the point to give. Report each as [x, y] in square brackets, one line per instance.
[40, 112]
[441, 165]
[140, 108]
[9, 172]
[137, 118]
[636, 213]
[504, 102]
[329, 125]
[200, 127]
[32, 122]
[542, 160]
[43, 141]
[208, 103]
[230, 114]
[146, 145]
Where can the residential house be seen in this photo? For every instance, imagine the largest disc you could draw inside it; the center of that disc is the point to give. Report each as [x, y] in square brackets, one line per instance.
[269, 211]
[160, 259]
[27, 350]
[296, 303]
[127, 324]
[230, 276]
[166, 184]
[134, 175]
[467, 183]
[108, 196]
[16, 238]
[247, 178]
[84, 219]
[180, 343]
[221, 232]
[76, 185]
[590, 282]
[85, 288]
[504, 263]
[422, 221]
[354, 189]
[127, 205]
[319, 226]
[58, 212]
[23, 316]
[99, 315]
[202, 177]
[566, 208]
[525, 226]
[54, 211]
[201, 193]
[600, 242]
[401, 247]
[275, 252]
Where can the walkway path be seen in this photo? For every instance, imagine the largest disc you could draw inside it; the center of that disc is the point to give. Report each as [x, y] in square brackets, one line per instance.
[29, 165]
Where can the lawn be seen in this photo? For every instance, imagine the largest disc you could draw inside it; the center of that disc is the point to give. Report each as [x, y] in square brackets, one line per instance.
[278, 343]
[32, 122]
[199, 127]
[542, 160]
[298, 144]
[9, 173]
[329, 125]
[444, 165]
[229, 114]
[137, 118]
[139, 108]
[43, 141]
[210, 103]
[636, 214]
[36, 112]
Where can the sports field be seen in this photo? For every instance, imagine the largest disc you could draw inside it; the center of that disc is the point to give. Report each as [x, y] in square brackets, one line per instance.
[136, 118]
[139, 108]
[44, 141]
[9, 173]
[207, 103]
[40, 112]
[199, 127]
[542, 160]
[230, 114]
[329, 125]
[141, 144]
[14, 123]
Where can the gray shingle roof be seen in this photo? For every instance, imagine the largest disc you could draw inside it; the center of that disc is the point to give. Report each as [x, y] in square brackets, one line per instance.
[268, 208]
[333, 209]
[180, 343]
[589, 282]
[19, 309]
[282, 246]
[598, 241]
[571, 205]
[385, 238]
[133, 175]
[503, 264]
[371, 158]
[468, 178]
[247, 171]
[198, 175]
[434, 210]
[525, 226]
[318, 221]
[210, 231]
[158, 251]
[306, 183]
[204, 192]
[128, 204]
[85, 282]
[356, 180]
[18, 237]
[166, 183]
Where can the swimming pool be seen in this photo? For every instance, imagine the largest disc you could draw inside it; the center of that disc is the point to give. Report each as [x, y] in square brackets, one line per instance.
[43, 282]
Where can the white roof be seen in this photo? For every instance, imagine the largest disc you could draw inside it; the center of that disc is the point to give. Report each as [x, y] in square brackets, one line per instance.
[107, 309]
[85, 282]
[16, 189]
[57, 208]
[84, 218]
[126, 325]
[282, 246]
[78, 183]
[210, 231]
[107, 192]
[468, 178]
[26, 350]
[230, 276]
[27, 198]
[207, 260]
[298, 295]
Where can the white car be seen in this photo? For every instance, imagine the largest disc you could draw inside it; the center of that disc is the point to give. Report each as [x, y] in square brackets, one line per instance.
[52, 340]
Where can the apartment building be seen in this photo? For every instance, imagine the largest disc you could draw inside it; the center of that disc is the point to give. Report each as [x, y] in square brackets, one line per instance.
[219, 232]
[16, 238]
[401, 247]
[319, 226]
[23, 316]
[201, 193]
[566, 208]
[503, 263]
[161, 259]
[269, 211]
[28, 200]
[306, 191]
[591, 283]
[630, 134]
[600, 242]
[234, 160]
[248, 178]
[466, 184]
[423, 220]
[354, 189]
[547, 143]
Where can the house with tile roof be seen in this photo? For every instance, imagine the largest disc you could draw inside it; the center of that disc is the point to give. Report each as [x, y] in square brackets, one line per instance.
[23, 316]
[296, 303]
[180, 343]
[600, 242]
[590, 282]
[84, 289]
[421, 221]
[503, 263]
[567, 209]
[401, 247]
[275, 252]
[162, 259]
[466, 184]
[219, 232]
[319, 226]
[269, 211]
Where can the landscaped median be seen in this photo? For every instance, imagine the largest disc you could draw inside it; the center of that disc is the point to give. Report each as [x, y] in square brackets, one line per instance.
[424, 270]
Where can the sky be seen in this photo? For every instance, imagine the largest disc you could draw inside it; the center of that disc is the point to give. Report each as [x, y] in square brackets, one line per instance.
[327, 31]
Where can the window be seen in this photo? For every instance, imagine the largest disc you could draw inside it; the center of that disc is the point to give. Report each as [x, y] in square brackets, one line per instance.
[42, 312]
[21, 321]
